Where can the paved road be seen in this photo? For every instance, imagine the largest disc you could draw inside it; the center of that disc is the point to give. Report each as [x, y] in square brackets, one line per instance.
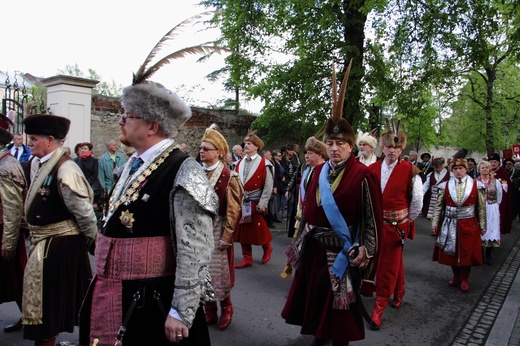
[432, 313]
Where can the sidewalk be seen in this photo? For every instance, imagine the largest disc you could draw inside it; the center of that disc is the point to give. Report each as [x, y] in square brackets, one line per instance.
[495, 321]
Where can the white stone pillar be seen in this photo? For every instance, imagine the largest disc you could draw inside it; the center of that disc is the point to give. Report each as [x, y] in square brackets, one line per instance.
[71, 97]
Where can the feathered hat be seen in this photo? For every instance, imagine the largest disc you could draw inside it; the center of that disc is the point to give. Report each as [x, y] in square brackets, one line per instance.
[393, 136]
[251, 137]
[367, 137]
[459, 159]
[151, 100]
[214, 137]
[316, 146]
[5, 136]
[338, 127]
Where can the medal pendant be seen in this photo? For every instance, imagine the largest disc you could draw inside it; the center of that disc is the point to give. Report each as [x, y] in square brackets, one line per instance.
[127, 220]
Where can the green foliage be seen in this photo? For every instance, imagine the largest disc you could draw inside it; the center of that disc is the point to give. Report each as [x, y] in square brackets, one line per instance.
[110, 89]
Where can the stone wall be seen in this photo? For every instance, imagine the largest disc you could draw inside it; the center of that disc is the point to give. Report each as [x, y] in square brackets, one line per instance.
[106, 112]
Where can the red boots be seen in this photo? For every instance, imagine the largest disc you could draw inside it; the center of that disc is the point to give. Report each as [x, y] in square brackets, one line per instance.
[377, 311]
[210, 310]
[456, 277]
[227, 313]
[268, 250]
[460, 277]
[247, 253]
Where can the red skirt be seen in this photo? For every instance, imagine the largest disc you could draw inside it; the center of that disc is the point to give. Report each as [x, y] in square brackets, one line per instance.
[309, 303]
[255, 232]
[11, 272]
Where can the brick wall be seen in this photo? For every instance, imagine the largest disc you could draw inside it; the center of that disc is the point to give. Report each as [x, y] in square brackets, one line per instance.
[106, 112]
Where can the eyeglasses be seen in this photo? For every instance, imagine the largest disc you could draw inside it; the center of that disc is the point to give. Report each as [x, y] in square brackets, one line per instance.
[206, 149]
[124, 117]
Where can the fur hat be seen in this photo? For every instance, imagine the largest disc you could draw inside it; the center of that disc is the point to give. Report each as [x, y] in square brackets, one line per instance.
[47, 124]
[153, 102]
[251, 137]
[316, 146]
[459, 159]
[214, 137]
[338, 127]
[5, 136]
[393, 136]
[368, 138]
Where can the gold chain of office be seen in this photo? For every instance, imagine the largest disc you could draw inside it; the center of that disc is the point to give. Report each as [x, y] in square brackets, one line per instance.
[133, 191]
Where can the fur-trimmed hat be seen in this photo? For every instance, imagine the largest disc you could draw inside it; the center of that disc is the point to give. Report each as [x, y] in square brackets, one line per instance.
[368, 138]
[316, 146]
[459, 159]
[153, 102]
[214, 137]
[338, 127]
[393, 136]
[5, 136]
[47, 124]
[251, 137]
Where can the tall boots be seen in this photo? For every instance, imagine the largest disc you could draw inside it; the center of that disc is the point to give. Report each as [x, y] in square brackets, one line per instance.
[268, 250]
[488, 259]
[227, 313]
[456, 277]
[378, 309]
[210, 310]
[464, 278]
[397, 302]
[247, 253]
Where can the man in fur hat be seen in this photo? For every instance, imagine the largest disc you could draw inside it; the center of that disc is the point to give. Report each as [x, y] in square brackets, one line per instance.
[341, 215]
[456, 224]
[154, 251]
[401, 186]
[230, 193]
[366, 144]
[61, 220]
[315, 154]
[14, 257]
[257, 176]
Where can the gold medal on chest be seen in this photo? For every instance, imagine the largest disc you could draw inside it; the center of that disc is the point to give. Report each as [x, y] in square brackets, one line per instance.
[127, 220]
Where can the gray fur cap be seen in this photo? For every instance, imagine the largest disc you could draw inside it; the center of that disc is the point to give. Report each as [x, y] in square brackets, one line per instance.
[153, 102]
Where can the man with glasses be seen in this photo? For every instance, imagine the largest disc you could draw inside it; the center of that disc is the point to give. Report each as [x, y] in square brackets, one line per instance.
[155, 247]
[256, 174]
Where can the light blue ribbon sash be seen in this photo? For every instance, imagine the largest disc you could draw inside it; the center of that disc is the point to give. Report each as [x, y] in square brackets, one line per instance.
[302, 183]
[336, 220]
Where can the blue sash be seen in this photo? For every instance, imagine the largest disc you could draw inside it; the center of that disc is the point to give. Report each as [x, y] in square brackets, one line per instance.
[337, 222]
[302, 183]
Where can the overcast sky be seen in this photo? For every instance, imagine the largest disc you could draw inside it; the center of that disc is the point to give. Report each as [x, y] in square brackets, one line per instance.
[112, 37]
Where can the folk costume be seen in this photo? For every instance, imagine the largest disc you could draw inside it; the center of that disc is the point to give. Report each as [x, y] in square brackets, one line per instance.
[257, 176]
[230, 192]
[370, 139]
[154, 251]
[341, 213]
[401, 187]
[431, 188]
[493, 193]
[62, 224]
[12, 188]
[459, 215]
[506, 210]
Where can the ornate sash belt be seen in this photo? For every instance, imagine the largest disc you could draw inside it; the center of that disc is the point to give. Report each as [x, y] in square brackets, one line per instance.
[447, 238]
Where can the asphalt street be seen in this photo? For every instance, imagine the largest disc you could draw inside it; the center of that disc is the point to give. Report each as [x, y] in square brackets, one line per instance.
[432, 313]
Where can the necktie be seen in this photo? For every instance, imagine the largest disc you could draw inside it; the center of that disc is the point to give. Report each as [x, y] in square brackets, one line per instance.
[137, 163]
[16, 153]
